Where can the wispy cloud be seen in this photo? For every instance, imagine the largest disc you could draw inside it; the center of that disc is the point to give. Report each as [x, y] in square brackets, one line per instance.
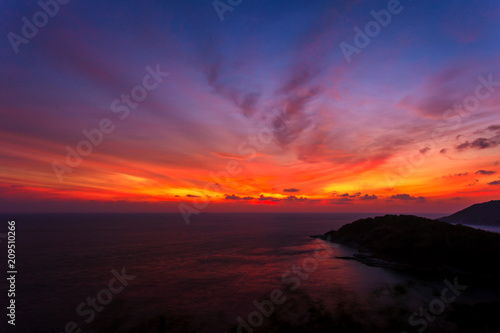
[485, 172]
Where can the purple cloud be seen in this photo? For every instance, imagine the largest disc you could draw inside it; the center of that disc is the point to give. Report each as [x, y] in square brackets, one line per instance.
[272, 199]
[406, 197]
[347, 195]
[480, 143]
[424, 151]
[485, 172]
[368, 197]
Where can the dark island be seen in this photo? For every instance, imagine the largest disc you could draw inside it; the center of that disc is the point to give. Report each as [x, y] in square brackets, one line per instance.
[486, 213]
[421, 245]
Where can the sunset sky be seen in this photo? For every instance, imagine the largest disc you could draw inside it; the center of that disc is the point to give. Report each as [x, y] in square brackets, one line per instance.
[260, 111]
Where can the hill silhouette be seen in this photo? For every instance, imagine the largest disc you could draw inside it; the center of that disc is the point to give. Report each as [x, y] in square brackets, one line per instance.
[419, 244]
[486, 213]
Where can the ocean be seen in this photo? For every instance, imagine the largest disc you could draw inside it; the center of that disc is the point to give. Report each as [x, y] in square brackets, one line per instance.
[210, 271]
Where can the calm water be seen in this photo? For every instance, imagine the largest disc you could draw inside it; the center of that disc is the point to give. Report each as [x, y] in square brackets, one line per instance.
[491, 228]
[215, 267]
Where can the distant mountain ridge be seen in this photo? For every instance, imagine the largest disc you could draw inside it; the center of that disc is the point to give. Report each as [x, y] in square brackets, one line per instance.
[486, 213]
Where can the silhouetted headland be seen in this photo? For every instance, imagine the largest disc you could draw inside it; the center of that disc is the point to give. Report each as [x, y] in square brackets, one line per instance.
[421, 245]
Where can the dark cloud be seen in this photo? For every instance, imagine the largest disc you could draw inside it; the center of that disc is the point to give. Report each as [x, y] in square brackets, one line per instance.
[462, 174]
[235, 197]
[485, 172]
[493, 128]
[480, 143]
[291, 190]
[263, 198]
[405, 197]
[496, 182]
[443, 151]
[192, 196]
[463, 146]
[347, 195]
[294, 198]
[475, 182]
[424, 151]
[368, 197]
